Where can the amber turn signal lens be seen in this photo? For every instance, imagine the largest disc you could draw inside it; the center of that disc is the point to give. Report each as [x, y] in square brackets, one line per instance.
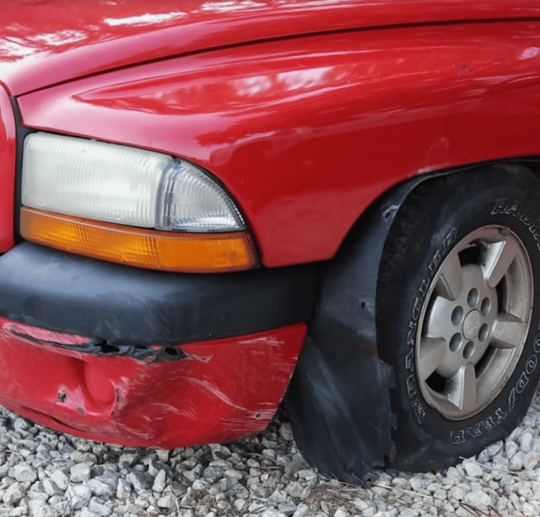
[166, 251]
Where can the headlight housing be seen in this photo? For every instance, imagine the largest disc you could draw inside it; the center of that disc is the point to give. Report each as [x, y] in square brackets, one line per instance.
[73, 188]
[124, 185]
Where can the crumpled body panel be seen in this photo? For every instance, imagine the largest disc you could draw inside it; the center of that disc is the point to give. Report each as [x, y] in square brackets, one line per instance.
[216, 391]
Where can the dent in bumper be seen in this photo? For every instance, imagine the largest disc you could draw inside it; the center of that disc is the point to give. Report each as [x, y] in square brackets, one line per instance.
[217, 391]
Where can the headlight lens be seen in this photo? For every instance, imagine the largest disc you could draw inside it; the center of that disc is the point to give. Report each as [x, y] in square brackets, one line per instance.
[124, 185]
[73, 189]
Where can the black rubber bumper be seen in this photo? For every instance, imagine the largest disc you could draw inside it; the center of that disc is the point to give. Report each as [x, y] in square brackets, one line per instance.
[120, 304]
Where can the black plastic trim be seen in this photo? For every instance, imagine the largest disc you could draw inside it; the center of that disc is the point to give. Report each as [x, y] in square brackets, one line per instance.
[339, 397]
[121, 305]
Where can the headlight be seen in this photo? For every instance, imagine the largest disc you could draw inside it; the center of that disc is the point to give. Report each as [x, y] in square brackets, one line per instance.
[124, 185]
[73, 188]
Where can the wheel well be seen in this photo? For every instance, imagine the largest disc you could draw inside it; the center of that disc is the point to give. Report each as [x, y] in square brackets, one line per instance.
[384, 202]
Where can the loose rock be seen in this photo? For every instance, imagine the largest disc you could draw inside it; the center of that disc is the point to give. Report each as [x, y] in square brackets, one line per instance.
[14, 494]
[80, 472]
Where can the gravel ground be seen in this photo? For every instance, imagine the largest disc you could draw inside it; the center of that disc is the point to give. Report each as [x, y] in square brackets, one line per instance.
[46, 474]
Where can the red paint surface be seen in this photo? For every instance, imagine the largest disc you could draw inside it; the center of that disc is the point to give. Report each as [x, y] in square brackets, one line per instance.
[224, 390]
[7, 171]
[306, 133]
[50, 41]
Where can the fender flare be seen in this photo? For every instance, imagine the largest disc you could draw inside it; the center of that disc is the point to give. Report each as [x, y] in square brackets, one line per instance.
[339, 397]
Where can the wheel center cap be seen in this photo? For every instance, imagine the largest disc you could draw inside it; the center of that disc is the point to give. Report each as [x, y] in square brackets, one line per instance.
[471, 325]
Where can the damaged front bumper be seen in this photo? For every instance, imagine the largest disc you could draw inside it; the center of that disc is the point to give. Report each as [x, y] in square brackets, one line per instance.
[145, 358]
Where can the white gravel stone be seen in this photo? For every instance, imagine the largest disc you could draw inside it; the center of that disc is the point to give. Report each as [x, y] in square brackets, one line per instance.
[517, 460]
[78, 496]
[21, 425]
[23, 473]
[225, 485]
[511, 448]
[307, 475]
[139, 480]
[123, 490]
[294, 489]
[419, 483]
[99, 508]
[440, 495]
[80, 472]
[239, 504]
[301, 510]
[128, 458]
[83, 457]
[408, 512]
[201, 484]
[361, 505]
[472, 468]
[233, 474]
[86, 512]
[160, 481]
[60, 505]
[167, 501]
[34, 495]
[525, 442]
[162, 454]
[285, 431]
[100, 488]
[479, 499]
[287, 508]
[457, 493]
[40, 509]
[531, 460]
[14, 493]
[4, 469]
[50, 487]
[60, 479]
[495, 448]
[453, 473]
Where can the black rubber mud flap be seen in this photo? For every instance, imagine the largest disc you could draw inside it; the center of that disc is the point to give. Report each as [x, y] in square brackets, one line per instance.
[339, 397]
[342, 427]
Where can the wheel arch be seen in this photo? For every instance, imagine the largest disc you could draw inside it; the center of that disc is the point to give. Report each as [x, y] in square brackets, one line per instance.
[320, 391]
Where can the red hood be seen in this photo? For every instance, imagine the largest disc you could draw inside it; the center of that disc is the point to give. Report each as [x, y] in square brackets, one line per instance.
[44, 42]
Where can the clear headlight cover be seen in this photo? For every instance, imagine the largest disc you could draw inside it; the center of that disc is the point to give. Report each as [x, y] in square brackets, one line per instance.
[190, 200]
[124, 185]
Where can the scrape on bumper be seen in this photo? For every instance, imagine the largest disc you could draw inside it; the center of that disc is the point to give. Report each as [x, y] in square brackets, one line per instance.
[217, 391]
[144, 358]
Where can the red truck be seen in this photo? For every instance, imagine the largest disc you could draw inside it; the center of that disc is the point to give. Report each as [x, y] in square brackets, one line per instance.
[207, 206]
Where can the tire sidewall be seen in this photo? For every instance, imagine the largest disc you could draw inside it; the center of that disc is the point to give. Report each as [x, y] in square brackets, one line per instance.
[460, 205]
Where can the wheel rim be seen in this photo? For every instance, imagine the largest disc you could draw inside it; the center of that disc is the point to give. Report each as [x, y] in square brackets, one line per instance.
[474, 322]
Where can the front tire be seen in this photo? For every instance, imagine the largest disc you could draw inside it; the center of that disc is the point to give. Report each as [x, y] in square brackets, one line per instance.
[457, 312]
